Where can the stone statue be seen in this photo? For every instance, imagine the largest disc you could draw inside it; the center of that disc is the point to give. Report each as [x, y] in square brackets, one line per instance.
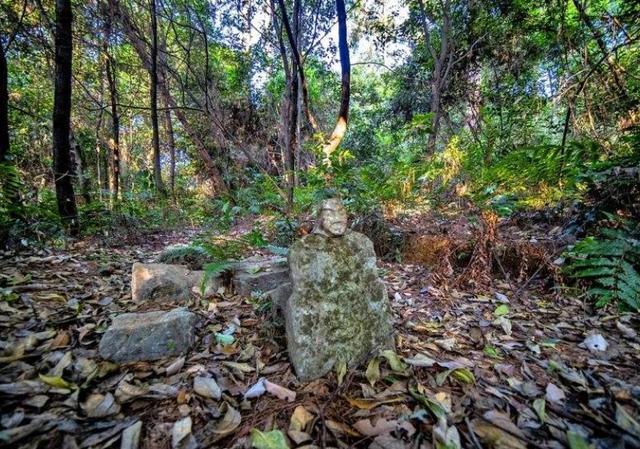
[338, 310]
[332, 219]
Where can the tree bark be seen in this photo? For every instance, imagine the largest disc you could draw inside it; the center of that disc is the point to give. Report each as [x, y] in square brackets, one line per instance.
[440, 68]
[80, 168]
[295, 51]
[153, 72]
[112, 80]
[62, 118]
[171, 143]
[141, 47]
[603, 48]
[345, 68]
[4, 107]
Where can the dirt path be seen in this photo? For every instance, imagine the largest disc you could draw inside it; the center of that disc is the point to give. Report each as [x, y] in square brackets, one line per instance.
[504, 370]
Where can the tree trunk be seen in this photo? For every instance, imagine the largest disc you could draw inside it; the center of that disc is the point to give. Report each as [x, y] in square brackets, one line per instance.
[345, 68]
[157, 169]
[172, 151]
[79, 166]
[62, 118]
[140, 46]
[603, 48]
[295, 51]
[4, 107]
[112, 80]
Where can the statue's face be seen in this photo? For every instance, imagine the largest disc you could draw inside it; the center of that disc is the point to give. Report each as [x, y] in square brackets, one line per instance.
[333, 218]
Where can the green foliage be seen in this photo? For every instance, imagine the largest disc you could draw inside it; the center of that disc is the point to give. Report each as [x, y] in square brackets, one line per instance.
[194, 256]
[609, 265]
[211, 270]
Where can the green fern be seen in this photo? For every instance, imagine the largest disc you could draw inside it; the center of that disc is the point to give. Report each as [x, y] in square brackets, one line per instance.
[211, 270]
[609, 265]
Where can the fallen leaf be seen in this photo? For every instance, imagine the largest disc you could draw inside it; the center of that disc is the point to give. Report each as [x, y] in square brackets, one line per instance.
[341, 371]
[229, 422]
[242, 367]
[595, 343]
[447, 343]
[395, 363]
[268, 440]
[56, 381]
[175, 367]
[421, 360]
[256, 390]
[501, 310]
[300, 418]
[554, 394]
[446, 437]
[340, 428]
[280, 392]
[181, 436]
[368, 404]
[131, 436]
[100, 406]
[207, 388]
[373, 371]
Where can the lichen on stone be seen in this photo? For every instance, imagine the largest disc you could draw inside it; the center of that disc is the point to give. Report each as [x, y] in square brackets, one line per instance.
[338, 309]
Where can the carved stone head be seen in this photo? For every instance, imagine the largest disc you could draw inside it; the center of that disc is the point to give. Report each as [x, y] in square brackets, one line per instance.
[332, 218]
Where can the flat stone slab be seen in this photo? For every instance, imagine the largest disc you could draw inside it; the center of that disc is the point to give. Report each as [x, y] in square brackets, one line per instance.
[148, 336]
[168, 283]
[259, 274]
[338, 310]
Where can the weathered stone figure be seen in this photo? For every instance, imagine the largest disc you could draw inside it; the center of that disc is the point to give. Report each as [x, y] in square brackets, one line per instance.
[338, 309]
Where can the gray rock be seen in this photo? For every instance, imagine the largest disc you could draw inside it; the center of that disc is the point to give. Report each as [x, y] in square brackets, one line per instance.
[280, 295]
[148, 336]
[259, 274]
[169, 283]
[338, 309]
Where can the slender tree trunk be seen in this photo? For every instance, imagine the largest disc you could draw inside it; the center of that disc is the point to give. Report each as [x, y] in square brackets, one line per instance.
[141, 49]
[4, 107]
[345, 68]
[62, 118]
[157, 169]
[172, 151]
[112, 80]
[79, 166]
[603, 48]
[295, 51]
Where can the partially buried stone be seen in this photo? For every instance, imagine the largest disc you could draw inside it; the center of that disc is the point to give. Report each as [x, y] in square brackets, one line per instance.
[148, 336]
[338, 310]
[259, 275]
[168, 283]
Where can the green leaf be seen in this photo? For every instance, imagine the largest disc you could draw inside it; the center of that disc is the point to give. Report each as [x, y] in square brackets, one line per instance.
[577, 441]
[341, 371]
[501, 310]
[56, 381]
[434, 407]
[492, 352]
[464, 375]
[395, 363]
[274, 439]
[373, 371]
[539, 405]
[224, 339]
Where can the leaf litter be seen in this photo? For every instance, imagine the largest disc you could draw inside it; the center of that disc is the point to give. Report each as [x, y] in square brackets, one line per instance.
[515, 367]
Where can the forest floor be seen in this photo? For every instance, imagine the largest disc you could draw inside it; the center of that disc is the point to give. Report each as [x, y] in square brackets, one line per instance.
[516, 367]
